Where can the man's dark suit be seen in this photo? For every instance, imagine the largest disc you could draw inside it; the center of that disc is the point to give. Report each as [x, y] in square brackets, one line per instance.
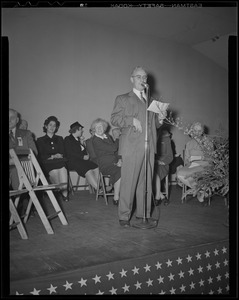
[23, 140]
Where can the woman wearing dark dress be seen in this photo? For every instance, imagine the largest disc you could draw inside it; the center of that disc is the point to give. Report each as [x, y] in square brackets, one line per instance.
[52, 155]
[106, 151]
[78, 158]
[163, 158]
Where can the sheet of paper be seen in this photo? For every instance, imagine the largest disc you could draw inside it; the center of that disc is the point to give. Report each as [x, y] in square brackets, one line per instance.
[158, 107]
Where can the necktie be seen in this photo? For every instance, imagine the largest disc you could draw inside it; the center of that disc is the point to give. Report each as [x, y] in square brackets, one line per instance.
[142, 96]
[12, 136]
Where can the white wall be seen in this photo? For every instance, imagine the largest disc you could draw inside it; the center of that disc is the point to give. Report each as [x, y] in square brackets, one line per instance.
[72, 69]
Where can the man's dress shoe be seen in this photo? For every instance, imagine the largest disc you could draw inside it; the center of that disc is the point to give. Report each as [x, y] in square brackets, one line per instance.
[124, 223]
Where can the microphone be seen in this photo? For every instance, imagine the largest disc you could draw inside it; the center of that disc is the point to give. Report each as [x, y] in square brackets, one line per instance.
[144, 84]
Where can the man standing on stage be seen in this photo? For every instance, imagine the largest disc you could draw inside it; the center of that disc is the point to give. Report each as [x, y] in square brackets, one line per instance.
[129, 113]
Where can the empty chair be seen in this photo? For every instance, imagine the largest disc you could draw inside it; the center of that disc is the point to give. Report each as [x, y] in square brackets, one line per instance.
[32, 178]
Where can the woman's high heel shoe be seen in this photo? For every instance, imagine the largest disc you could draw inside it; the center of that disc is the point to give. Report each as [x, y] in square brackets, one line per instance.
[165, 201]
[158, 202]
[65, 198]
[116, 202]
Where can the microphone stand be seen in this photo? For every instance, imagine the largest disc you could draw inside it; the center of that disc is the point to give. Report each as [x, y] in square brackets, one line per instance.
[145, 224]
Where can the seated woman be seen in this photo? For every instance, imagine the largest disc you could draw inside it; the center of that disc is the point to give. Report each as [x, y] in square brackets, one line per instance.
[194, 158]
[52, 154]
[107, 156]
[163, 158]
[78, 158]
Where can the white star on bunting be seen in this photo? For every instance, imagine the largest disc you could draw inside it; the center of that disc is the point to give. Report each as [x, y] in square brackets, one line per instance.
[172, 291]
[135, 270]
[219, 291]
[210, 279]
[113, 291]
[198, 256]
[209, 267]
[192, 285]
[217, 265]
[216, 252]
[67, 285]
[138, 285]
[160, 279]
[219, 277]
[201, 282]
[171, 277]
[207, 254]
[82, 282]
[179, 260]
[110, 275]
[200, 269]
[162, 292]
[225, 262]
[190, 272]
[100, 293]
[18, 293]
[147, 268]
[158, 266]
[189, 258]
[123, 273]
[181, 274]
[224, 250]
[182, 288]
[169, 263]
[226, 275]
[96, 278]
[52, 289]
[126, 288]
[35, 292]
[149, 282]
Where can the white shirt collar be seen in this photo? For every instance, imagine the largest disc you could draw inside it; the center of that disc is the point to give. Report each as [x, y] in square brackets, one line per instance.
[104, 136]
[138, 93]
[13, 131]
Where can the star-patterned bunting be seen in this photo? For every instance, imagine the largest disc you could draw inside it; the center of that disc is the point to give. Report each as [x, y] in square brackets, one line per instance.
[199, 270]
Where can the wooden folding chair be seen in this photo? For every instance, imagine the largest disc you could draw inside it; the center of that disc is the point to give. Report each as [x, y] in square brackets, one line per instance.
[15, 220]
[74, 187]
[33, 179]
[101, 185]
[166, 187]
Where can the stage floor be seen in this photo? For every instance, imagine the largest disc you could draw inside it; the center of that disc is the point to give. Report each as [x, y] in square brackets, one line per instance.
[94, 236]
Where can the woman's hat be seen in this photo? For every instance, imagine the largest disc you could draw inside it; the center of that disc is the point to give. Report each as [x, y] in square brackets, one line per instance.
[75, 125]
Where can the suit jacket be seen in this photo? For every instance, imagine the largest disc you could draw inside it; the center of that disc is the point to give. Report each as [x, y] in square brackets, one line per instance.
[127, 107]
[74, 150]
[90, 150]
[165, 152]
[48, 146]
[23, 141]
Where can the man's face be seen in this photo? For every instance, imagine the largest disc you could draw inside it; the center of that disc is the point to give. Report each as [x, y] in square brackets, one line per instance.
[13, 119]
[139, 77]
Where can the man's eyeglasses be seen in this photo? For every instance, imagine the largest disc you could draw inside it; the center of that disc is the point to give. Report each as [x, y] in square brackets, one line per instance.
[139, 77]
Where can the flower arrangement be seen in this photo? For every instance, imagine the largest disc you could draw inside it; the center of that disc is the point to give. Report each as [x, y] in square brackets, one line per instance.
[215, 177]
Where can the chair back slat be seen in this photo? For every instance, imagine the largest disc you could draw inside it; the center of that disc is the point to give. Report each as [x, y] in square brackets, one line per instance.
[29, 171]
